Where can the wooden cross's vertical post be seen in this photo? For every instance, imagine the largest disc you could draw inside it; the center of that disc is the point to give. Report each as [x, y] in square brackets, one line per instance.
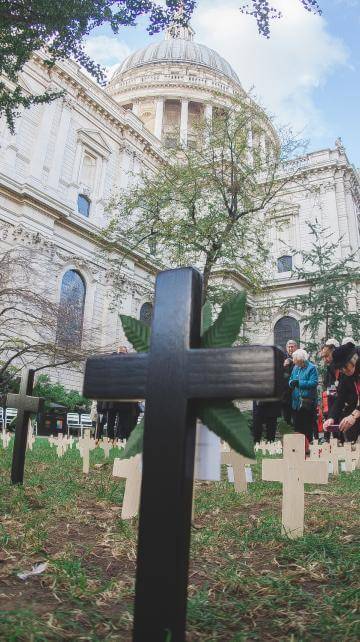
[26, 404]
[172, 377]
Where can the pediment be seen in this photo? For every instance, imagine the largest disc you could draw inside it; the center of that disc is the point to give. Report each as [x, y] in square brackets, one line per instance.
[94, 140]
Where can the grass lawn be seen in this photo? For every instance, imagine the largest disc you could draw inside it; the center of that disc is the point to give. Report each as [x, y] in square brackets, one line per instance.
[246, 581]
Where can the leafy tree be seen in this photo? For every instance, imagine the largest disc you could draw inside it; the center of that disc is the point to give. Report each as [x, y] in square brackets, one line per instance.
[325, 306]
[210, 203]
[57, 393]
[61, 25]
[263, 12]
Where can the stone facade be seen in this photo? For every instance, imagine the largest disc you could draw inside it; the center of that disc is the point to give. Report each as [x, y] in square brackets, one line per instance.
[89, 142]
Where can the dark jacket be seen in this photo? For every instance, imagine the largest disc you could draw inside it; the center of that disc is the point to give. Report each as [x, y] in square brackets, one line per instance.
[264, 410]
[287, 374]
[347, 397]
[330, 377]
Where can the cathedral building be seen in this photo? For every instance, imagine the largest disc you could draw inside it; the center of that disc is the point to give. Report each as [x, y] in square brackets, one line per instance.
[67, 158]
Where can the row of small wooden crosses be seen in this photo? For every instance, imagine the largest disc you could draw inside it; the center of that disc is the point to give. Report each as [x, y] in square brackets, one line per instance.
[293, 470]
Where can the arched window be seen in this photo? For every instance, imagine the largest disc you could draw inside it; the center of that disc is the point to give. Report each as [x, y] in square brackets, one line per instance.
[146, 311]
[71, 309]
[284, 264]
[286, 328]
[83, 204]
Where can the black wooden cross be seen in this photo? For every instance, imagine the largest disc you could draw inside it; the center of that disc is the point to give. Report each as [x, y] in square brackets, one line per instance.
[171, 377]
[26, 405]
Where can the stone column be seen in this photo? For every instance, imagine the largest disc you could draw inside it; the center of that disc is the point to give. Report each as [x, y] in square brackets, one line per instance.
[184, 122]
[263, 146]
[159, 116]
[42, 139]
[208, 113]
[62, 134]
[136, 108]
[250, 143]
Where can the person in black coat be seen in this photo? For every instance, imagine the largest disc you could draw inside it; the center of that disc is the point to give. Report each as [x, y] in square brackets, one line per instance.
[345, 411]
[265, 414]
[121, 416]
[287, 411]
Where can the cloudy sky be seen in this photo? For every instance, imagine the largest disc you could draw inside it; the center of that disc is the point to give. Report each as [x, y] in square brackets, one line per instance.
[307, 74]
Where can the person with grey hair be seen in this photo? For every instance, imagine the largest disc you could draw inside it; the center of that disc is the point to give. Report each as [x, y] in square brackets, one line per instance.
[291, 346]
[303, 384]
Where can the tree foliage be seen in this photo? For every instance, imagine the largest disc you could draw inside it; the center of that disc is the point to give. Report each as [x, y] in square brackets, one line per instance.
[61, 25]
[330, 279]
[57, 393]
[264, 11]
[210, 203]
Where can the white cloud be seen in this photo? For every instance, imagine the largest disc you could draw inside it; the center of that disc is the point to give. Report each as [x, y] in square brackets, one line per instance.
[285, 70]
[107, 51]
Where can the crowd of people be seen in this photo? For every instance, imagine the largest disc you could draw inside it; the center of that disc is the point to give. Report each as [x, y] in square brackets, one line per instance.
[336, 410]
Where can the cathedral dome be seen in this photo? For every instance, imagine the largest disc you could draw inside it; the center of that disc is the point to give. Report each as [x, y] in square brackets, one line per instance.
[177, 48]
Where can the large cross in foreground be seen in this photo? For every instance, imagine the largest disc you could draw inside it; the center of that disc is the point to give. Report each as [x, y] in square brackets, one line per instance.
[171, 377]
[26, 405]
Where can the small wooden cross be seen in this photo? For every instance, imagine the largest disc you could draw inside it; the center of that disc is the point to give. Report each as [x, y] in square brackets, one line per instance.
[62, 445]
[84, 445]
[26, 404]
[294, 471]
[238, 463]
[172, 376]
[106, 446]
[129, 469]
[30, 436]
[6, 438]
[351, 457]
[335, 455]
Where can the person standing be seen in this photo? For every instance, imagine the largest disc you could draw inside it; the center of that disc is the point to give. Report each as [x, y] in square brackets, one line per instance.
[303, 385]
[331, 376]
[265, 413]
[122, 416]
[346, 409]
[291, 346]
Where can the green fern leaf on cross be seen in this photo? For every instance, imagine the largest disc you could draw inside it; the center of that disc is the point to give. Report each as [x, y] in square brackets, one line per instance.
[222, 417]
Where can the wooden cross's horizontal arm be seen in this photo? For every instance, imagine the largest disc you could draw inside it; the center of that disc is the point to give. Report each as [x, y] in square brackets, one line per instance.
[29, 404]
[247, 372]
[116, 377]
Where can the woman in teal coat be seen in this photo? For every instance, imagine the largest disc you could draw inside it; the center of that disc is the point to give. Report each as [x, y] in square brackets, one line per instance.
[303, 383]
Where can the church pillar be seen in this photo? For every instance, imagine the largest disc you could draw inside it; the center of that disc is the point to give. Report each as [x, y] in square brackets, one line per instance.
[42, 140]
[159, 115]
[263, 145]
[184, 122]
[62, 134]
[250, 145]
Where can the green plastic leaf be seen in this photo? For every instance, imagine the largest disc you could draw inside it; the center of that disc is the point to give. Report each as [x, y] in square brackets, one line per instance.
[228, 423]
[134, 444]
[225, 330]
[206, 317]
[136, 332]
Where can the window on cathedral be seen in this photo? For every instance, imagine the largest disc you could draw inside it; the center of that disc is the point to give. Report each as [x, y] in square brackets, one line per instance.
[146, 311]
[284, 264]
[83, 204]
[71, 309]
[88, 168]
[286, 328]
